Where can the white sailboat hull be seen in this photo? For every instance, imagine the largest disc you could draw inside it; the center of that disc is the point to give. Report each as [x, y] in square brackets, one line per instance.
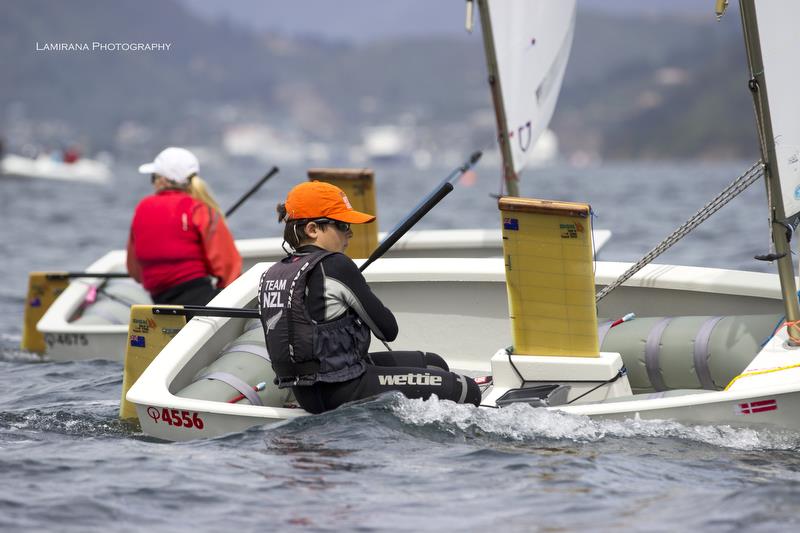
[718, 408]
[714, 408]
[86, 170]
[761, 399]
[455, 307]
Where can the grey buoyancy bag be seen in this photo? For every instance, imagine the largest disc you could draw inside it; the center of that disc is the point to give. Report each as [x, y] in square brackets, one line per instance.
[236, 374]
[690, 352]
[303, 351]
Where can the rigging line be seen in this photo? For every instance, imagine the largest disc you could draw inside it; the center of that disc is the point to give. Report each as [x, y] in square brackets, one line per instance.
[759, 110]
[488, 146]
[622, 371]
[494, 144]
[594, 247]
[522, 380]
[102, 291]
[758, 107]
[729, 193]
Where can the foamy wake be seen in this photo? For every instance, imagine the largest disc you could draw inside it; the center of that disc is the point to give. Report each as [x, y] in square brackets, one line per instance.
[10, 350]
[521, 422]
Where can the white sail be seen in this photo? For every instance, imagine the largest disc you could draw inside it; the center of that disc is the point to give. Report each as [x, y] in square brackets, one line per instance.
[532, 41]
[780, 50]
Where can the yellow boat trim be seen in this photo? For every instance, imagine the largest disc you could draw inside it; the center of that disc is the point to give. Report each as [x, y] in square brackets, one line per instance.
[757, 372]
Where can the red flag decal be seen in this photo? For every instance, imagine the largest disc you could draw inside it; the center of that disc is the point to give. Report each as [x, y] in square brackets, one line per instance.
[761, 406]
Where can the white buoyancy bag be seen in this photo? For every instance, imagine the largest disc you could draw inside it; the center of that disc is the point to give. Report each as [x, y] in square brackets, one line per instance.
[690, 352]
[234, 377]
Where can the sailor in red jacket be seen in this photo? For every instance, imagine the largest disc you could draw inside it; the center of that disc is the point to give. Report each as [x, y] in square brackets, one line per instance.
[179, 238]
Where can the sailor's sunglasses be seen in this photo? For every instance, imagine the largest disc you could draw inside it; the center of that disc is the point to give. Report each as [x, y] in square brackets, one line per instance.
[344, 227]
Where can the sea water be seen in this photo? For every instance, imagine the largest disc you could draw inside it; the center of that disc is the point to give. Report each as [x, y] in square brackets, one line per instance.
[68, 464]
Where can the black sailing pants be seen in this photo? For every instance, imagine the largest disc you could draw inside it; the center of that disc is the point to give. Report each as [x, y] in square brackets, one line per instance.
[198, 291]
[415, 374]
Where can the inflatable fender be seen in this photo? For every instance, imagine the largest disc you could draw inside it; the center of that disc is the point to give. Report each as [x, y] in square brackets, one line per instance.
[242, 365]
[690, 352]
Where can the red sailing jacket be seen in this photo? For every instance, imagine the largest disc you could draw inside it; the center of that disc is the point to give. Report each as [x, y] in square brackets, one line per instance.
[175, 238]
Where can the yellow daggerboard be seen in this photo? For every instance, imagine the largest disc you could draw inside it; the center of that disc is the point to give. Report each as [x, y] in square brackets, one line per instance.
[43, 289]
[359, 186]
[547, 247]
[147, 336]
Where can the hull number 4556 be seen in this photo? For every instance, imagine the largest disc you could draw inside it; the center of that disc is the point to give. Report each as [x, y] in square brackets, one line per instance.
[175, 417]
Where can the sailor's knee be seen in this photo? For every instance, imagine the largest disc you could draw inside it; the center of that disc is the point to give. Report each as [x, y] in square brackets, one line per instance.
[434, 360]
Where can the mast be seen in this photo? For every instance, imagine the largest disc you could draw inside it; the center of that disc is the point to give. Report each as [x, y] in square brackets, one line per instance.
[511, 178]
[772, 177]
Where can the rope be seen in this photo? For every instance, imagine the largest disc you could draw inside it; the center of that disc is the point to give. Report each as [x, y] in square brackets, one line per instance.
[761, 372]
[793, 325]
[110, 296]
[622, 372]
[729, 193]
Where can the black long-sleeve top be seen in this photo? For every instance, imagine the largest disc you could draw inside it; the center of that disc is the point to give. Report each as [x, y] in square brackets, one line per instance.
[336, 285]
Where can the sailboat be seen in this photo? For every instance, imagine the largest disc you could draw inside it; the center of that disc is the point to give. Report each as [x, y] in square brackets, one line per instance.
[766, 392]
[45, 167]
[704, 316]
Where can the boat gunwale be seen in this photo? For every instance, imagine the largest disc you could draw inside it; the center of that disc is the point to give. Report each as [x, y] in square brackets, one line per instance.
[486, 269]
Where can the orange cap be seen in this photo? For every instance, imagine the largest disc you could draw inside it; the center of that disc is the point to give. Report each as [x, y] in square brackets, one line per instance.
[318, 199]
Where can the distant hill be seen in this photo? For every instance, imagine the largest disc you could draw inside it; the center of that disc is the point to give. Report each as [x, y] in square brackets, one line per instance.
[636, 86]
[674, 88]
[379, 20]
[207, 62]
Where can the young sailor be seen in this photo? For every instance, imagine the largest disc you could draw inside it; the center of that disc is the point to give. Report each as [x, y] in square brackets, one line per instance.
[178, 236]
[317, 311]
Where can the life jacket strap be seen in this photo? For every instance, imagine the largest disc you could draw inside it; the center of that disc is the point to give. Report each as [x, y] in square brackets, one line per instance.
[288, 371]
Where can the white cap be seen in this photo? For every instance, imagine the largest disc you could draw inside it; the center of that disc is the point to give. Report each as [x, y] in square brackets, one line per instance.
[175, 164]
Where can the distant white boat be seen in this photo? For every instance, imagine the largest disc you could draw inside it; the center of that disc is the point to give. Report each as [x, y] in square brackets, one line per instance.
[545, 151]
[543, 154]
[386, 143]
[263, 143]
[87, 170]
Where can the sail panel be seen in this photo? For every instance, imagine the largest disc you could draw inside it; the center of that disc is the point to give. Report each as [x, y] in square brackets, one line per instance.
[532, 41]
[780, 50]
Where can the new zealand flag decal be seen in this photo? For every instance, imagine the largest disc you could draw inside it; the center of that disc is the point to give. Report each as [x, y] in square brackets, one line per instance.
[511, 224]
[137, 341]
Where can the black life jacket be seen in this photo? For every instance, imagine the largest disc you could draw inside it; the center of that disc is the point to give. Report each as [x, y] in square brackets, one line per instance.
[303, 351]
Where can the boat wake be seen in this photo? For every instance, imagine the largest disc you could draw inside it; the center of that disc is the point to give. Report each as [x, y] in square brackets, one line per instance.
[523, 423]
[10, 350]
[393, 418]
